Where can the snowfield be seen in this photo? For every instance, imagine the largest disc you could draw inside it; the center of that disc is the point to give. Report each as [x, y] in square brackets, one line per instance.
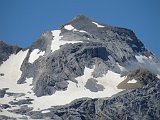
[35, 54]
[11, 69]
[58, 41]
[12, 72]
[78, 90]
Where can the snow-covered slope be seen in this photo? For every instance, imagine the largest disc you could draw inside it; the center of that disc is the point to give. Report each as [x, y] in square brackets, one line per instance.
[11, 69]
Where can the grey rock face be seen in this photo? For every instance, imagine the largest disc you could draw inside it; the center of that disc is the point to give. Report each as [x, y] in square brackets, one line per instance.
[21, 102]
[2, 93]
[7, 50]
[92, 85]
[3, 117]
[4, 106]
[22, 110]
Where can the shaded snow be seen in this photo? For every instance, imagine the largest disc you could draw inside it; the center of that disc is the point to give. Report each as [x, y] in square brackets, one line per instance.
[35, 54]
[132, 81]
[58, 41]
[98, 25]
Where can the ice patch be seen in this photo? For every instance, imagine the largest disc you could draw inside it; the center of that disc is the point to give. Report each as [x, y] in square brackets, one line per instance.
[57, 40]
[35, 54]
[98, 25]
[158, 76]
[132, 81]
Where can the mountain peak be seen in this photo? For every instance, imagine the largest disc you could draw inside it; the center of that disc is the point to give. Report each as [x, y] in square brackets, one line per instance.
[79, 20]
[81, 17]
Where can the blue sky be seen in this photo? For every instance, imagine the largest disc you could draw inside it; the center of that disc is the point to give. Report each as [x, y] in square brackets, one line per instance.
[23, 21]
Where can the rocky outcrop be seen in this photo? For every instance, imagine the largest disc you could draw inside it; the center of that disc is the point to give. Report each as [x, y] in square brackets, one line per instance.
[2, 93]
[7, 50]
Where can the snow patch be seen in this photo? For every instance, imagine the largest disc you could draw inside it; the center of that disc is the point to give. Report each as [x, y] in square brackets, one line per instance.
[57, 40]
[35, 54]
[132, 81]
[98, 25]
[68, 27]
[83, 31]
[150, 57]
[158, 76]
[45, 111]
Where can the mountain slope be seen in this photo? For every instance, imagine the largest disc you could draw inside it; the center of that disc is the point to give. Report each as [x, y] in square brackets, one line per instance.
[83, 59]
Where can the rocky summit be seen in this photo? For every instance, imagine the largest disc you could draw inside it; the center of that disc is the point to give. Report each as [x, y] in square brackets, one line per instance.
[85, 70]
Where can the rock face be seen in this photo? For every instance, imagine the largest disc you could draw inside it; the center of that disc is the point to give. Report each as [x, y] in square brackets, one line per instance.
[2, 93]
[6, 51]
[106, 70]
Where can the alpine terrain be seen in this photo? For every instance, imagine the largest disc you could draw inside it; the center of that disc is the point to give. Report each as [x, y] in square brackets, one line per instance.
[85, 70]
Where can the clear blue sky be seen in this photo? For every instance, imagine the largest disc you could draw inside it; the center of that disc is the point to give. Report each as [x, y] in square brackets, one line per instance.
[23, 21]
